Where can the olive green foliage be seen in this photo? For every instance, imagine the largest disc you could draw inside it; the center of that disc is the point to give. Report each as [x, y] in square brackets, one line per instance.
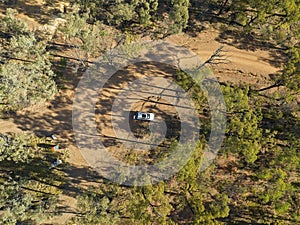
[26, 77]
[94, 209]
[121, 12]
[291, 74]
[273, 19]
[150, 205]
[28, 190]
[91, 38]
[244, 134]
[165, 17]
[11, 26]
[255, 176]
[155, 203]
[179, 15]
[18, 148]
[141, 12]
[18, 206]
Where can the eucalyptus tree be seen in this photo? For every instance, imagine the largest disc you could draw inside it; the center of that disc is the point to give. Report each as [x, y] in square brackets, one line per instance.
[26, 76]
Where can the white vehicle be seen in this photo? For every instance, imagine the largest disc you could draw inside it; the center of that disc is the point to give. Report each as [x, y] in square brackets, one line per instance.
[143, 116]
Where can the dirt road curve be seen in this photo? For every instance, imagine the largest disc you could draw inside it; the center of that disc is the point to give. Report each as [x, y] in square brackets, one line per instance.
[252, 63]
[244, 66]
[252, 67]
[56, 117]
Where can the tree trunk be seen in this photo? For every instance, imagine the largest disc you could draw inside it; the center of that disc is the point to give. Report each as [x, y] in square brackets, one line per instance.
[222, 7]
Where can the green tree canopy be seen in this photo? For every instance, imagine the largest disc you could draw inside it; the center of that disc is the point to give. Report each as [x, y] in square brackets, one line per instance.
[26, 77]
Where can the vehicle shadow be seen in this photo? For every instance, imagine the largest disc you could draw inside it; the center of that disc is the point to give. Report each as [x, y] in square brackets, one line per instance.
[145, 100]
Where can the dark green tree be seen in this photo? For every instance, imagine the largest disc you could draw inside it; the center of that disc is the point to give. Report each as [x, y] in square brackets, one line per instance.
[94, 209]
[90, 38]
[17, 205]
[26, 77]
[17, 148]
[278, 20]
[28, 190]
[179, 15]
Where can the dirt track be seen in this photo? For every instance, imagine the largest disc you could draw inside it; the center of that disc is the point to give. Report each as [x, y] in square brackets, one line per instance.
[253, 67]
[244, 66]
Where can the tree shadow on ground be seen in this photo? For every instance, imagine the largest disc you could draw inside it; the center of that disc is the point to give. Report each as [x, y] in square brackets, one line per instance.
[231, 33]
[237, 38]
[115, 83]
[56, 118]
[79, 177]
[39, 11]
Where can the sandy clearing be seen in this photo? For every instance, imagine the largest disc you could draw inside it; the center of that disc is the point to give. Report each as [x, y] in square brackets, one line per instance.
[253, 67]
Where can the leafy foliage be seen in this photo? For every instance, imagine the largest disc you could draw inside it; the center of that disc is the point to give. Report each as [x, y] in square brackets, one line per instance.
[11, 26]
[163, 17]
[179, 15]
[151, 205]
[26, 77]
[90, 37]
[122, 13]
[291, 75]
[94, 209]
[28, 190]
[18, 205]
[273, 20]
[245, 136]
[18, 148]
[257, 181]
